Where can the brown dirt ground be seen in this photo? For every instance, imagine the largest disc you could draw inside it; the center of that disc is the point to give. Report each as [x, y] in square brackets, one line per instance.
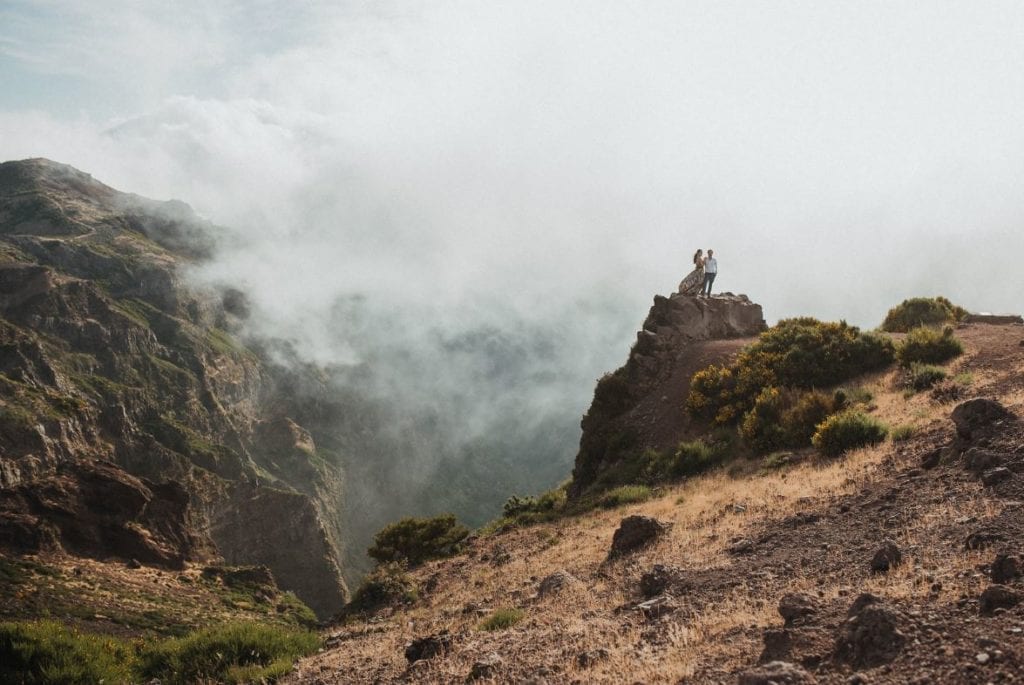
[812, 528]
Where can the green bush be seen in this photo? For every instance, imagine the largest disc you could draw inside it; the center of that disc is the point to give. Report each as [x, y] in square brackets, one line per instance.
[922, 311]
[783, 418]
[923, 376]
[848, 430]
[622, 495]
[928, 346]
[544, 507]
[901, 433]
[231, 653]
[697, 456]
[802, 418]
[799, 353]
[47, 652]
[415, 540]
[503, 618]
[387, 585]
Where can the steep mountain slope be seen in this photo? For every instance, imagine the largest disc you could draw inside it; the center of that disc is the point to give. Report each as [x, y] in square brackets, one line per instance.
[132, 423]
[759, 563]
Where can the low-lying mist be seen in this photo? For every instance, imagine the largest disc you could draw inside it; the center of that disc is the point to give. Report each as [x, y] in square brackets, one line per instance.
[467, 208]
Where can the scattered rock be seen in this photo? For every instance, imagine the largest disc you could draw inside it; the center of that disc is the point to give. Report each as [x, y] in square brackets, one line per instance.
[487, 667]
[635, 532]
[661, 605]
[933, 458]
[980, 539]
[795, 607]
[744, 546]
[996, 476]
[428, 647]
[998, 597]
[658, 580]
[1004, 569]
[591, 657]
[776, 673]
[978, 460]
[555, 583]
[133, 564]
[872, 635]
[886, 557]
[973, 415]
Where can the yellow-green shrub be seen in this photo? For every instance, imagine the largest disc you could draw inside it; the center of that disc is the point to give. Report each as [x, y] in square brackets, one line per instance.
[928, 346]
[848, 430]
[796, 353]
[922, 311]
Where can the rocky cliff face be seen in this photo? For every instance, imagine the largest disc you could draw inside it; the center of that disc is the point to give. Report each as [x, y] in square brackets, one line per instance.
[133, 424]
[642, 404]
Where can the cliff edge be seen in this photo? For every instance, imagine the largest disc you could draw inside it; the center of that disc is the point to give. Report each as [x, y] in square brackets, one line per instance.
[641, 405]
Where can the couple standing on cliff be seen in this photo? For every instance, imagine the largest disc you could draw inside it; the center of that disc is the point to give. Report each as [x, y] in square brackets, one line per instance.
[698, 282]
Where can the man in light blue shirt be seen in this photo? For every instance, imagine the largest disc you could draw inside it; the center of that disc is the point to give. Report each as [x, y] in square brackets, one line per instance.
[710, 271]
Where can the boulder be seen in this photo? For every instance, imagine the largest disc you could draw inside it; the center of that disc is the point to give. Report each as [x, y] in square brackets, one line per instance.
[635, 532]
[1005, 568]
[998, 597]
[874, 634]
[972, 416]
[794, 607]
[428, 647]
[886, 557]
[487, 667]
[776, 673]
[995, 476]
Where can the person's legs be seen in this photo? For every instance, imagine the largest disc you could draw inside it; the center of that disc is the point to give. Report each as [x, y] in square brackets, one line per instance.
[704, 285]
[709, 280]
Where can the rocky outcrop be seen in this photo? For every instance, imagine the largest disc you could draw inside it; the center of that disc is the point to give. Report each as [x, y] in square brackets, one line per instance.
[642, 404]
[133, 424]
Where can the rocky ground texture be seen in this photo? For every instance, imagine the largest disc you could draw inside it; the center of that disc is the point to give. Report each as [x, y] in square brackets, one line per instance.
[899, 563]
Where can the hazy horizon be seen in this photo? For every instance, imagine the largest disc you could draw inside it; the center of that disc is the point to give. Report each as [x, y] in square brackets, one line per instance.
[401, 176]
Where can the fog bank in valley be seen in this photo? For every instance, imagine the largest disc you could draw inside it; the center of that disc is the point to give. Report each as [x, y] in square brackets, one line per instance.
[475, 202]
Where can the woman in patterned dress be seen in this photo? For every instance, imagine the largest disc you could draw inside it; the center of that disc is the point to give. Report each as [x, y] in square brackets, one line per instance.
[691, 285]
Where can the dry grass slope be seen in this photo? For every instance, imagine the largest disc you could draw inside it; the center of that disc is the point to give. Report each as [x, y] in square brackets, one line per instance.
[718, 626]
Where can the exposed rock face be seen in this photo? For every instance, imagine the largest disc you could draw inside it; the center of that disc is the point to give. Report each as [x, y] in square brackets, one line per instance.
[132, 423]
[682, 335]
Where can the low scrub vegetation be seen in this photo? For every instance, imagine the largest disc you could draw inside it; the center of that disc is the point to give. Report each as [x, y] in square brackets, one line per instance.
[901, 433]
[848, 430]
[799, 353]
[46, 652]
[502, 619]
[689, 459]
[923, 376]
[415, 540]
[922, 311]
[544, 507]
[786, 419]
[928, 346]
[624, 494]
[388, 585]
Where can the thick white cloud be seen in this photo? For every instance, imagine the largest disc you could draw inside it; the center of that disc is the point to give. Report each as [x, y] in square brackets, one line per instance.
[547, 166]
